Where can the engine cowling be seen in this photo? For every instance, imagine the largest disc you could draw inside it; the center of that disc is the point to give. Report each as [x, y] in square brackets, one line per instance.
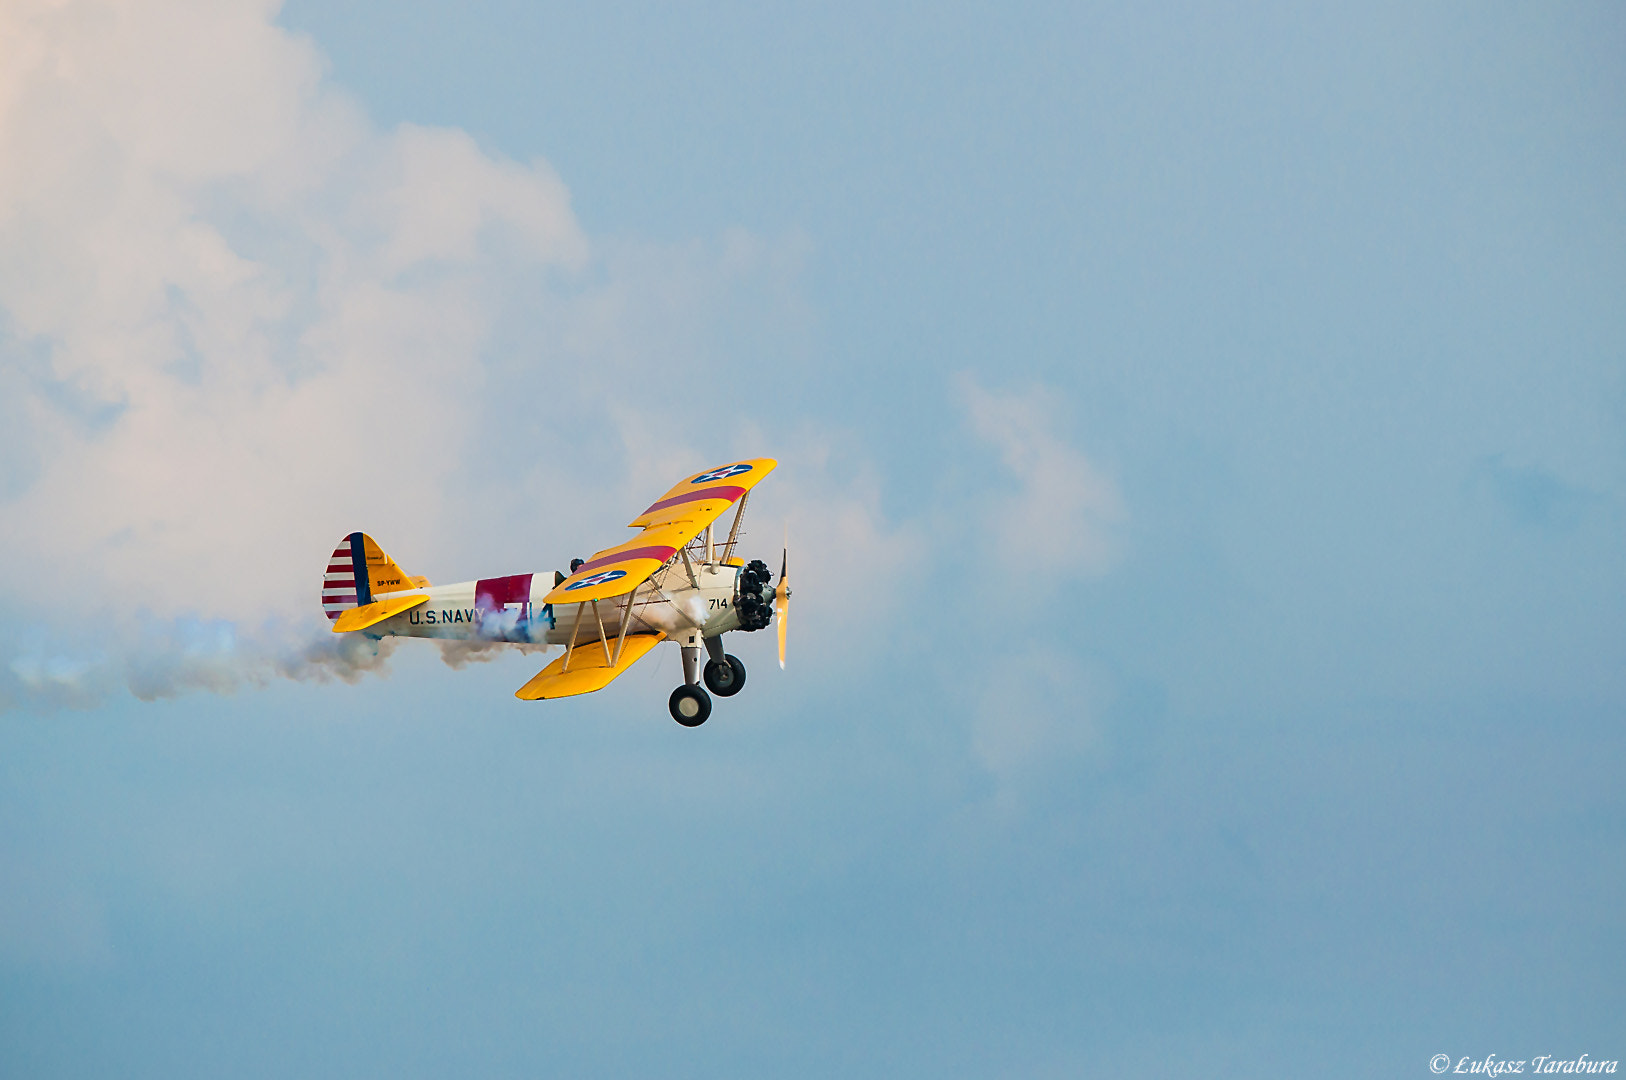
[751, 606]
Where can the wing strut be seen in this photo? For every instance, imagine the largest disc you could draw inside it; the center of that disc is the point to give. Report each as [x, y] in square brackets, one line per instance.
[575, 628]
[734, 529]
[602, 636]
[626, 621]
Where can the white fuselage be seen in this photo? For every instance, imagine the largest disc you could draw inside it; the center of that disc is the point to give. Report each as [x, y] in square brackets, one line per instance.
[512, 609]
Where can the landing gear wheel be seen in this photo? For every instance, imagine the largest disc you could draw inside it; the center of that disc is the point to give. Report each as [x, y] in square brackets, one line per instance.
[690, 706]
[727, 678]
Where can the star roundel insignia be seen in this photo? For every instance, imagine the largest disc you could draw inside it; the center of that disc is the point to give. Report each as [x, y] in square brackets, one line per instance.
[597, 579]
[721, 474]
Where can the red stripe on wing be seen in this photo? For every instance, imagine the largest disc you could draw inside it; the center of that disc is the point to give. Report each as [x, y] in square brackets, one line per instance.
[658, 553]
[724, 491]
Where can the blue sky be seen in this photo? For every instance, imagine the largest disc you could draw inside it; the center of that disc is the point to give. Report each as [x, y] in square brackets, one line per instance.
[1203, 441]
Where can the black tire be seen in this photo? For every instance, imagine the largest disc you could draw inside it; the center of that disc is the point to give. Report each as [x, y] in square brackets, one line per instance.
[727, 678]
[689, 705]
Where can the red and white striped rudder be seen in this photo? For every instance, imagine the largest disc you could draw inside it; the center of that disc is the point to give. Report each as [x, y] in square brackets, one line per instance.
[339, 592]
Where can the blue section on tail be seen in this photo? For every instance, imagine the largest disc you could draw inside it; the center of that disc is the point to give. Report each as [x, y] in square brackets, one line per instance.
[364, 580]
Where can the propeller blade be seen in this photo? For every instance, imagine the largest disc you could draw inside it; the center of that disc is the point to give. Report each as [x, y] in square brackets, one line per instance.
[781, 599]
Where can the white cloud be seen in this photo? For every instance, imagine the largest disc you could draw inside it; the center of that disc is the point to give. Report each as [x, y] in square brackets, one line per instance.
[263, 312]
[852, 568]
[1062, 515]
[1035, 717]
[237, 321]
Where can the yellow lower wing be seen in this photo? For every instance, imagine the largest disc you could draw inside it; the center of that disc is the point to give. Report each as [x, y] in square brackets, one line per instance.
[360, 618]
[589, 670]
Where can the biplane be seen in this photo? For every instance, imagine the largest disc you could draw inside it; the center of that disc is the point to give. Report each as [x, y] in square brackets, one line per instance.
[673, 581]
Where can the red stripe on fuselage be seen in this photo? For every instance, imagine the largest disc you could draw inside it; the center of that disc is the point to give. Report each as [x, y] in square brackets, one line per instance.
[727, 491]
[494, 594]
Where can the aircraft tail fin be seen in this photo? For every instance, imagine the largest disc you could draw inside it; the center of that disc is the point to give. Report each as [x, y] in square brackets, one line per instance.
[358, 571]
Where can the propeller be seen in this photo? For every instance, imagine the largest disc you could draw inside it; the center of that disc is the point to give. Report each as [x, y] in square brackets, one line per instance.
[781, 597]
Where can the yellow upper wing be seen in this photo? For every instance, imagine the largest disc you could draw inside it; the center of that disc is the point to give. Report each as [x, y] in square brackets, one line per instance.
[670, 522]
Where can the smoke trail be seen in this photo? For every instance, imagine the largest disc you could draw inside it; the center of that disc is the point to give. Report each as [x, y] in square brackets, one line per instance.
[170, 659]
[459, 654]
[158, 660]
[51, 681]
[346, 657]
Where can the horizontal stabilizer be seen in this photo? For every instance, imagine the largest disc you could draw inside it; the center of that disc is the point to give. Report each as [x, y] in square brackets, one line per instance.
[360, 618]
[589, 670]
